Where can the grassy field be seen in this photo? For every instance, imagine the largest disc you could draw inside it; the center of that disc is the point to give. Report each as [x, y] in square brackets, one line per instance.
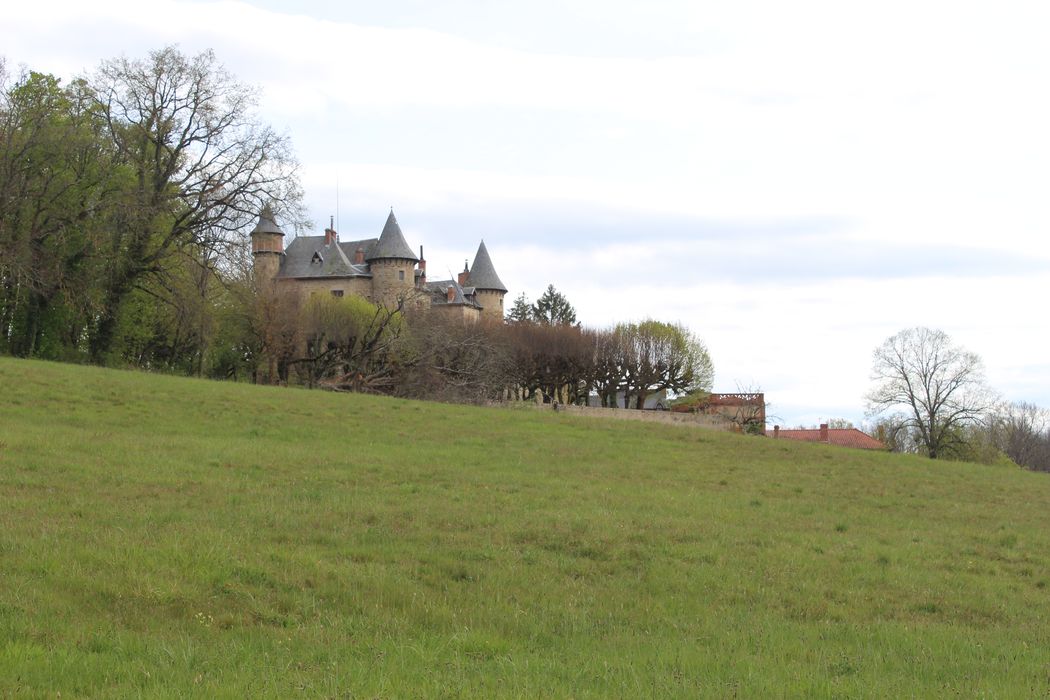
[171, 537]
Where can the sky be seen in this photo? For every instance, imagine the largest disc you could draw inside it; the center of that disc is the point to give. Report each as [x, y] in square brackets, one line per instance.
[795, 182]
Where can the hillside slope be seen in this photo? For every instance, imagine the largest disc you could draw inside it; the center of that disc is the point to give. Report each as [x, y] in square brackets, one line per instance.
[167, 536]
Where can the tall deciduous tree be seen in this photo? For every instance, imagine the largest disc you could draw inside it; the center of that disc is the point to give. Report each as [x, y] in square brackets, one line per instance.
[56, 185]
[937, 387]
[201, 161]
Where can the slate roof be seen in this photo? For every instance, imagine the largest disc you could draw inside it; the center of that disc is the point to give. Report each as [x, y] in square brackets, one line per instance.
[392, 243]
[336, 259]
[482, 273]
[842, 437]
[267, 223]
[439, 293]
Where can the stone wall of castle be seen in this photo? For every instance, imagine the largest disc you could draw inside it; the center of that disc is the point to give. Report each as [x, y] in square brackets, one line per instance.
[358, 286]
[391, 279]
[265, 267]
[458, 312]
[491, 304]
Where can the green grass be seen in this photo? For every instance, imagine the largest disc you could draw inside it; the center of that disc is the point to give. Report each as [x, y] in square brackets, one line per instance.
[171, 537]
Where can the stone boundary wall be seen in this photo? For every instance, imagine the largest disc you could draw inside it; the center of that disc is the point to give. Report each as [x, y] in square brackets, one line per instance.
[712, 422]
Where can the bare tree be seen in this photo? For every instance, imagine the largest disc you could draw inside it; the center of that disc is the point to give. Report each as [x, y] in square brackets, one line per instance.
[352, 345]
[456, 360]
[1022, 432]
[938, 386]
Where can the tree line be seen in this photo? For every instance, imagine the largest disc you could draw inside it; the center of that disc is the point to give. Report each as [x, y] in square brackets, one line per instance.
[123, 200]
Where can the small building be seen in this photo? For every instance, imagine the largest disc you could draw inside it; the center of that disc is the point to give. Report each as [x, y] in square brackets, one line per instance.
[746, 410]
[842, 437]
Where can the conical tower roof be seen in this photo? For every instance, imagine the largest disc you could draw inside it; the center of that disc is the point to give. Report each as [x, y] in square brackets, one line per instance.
[482, 273]
[267, 223]
[391, 243]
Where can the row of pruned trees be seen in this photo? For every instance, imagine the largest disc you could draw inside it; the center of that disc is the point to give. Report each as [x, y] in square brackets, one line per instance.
[557, 359]
[124, 195]
[350, 344]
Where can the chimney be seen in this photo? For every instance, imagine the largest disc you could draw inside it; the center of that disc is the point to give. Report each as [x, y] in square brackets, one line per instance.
[422, 262]
[451, 294]
[463, 275]
[776, 432]
[823, 432]
[359, 256]
[330, 236]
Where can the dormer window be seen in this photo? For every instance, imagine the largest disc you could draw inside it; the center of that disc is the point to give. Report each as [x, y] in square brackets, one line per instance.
[317, 259]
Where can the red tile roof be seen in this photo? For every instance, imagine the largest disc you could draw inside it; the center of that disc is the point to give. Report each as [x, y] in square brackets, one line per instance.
[843, 437]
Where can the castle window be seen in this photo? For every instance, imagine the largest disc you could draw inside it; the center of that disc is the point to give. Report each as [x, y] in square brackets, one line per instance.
[337, 292]
[401, 275]
[316, 259]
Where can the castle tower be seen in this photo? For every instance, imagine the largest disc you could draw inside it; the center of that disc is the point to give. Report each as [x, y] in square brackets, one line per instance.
[489, 290]
[392, 264]
[267, 247]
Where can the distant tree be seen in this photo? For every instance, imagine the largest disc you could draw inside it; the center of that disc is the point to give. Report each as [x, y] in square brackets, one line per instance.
[890, 431]
[839, 423]
[661, 356]
[553, 309]
[1022, 432]
[521, 310]
[938, 387]
[552, 361]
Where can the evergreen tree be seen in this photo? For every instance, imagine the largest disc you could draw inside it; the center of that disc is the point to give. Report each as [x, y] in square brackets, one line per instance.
[521, 311]
[553, 309]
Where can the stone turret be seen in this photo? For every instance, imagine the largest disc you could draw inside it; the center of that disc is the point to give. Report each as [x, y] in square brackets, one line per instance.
[267, 247]
[489, 289]
[392, 264]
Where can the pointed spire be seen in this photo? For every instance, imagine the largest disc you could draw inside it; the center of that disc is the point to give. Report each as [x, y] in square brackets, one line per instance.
[267, 222]
[482, 273]
[391, 243]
